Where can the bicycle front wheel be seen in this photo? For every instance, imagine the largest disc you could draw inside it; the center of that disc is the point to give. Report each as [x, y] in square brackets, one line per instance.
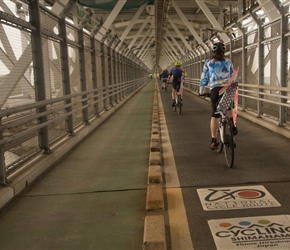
[229, 142]
[220, 146]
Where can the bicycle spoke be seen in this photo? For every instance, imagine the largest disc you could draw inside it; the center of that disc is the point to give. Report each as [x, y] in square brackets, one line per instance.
[220, 143]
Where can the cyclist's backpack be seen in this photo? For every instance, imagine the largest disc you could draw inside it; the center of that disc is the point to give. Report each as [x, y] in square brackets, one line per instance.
[177, 73]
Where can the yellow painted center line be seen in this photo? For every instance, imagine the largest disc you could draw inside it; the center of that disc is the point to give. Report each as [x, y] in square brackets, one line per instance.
[179, 230]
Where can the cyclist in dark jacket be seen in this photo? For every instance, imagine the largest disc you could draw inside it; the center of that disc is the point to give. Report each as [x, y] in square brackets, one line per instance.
[176, 72]
[163, 77]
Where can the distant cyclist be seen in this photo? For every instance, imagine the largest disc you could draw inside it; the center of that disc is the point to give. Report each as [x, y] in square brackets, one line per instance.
[216, 69]
[163, 77]
[176, 72]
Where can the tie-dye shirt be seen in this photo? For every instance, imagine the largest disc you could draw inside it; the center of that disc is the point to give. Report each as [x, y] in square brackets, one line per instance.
[215, 71]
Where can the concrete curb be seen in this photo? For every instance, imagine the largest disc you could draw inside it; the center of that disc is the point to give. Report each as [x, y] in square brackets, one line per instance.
[154, 226]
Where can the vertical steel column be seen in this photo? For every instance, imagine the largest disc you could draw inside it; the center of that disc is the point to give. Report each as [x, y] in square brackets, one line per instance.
[83, 75]
[261, 68]
[200, 64]
[94, 74]
[121, 76]
[125, 75]
[110, 81]
[197, 71]
[119, 81]
[244, 62]
[260, 62]
[39, 80]
[2, 159]
[129, 75]
[115, 61]
[65, 75]
[115, 72]
[195, 75]
[283, 65]
[103, 60]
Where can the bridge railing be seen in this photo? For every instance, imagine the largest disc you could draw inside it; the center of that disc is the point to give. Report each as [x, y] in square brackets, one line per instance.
[262, 100]
[21, 137]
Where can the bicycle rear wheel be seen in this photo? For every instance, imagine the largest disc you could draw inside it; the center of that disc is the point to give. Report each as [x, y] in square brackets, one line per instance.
[174, 107]
[179, 106]
[229, 142]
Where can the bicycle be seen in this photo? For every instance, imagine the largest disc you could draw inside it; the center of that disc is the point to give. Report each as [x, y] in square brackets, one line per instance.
[177, 105]
[225, 137]
[225, 140]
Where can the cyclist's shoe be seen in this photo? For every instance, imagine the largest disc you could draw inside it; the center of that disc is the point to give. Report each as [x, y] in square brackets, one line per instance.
[214, 145]
[173, 103]
[235, 130]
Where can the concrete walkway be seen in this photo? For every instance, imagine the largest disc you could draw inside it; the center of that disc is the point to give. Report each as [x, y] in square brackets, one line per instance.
[96, 197]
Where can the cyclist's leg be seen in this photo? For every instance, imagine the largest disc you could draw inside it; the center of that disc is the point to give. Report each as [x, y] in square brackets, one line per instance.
[174, 85]
[214, 121]
[163, 82]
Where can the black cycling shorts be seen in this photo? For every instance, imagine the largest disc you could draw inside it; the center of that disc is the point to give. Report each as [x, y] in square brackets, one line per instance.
[176, 85]
[215, 98]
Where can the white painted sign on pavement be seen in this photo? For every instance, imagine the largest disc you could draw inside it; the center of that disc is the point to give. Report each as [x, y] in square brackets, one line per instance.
[243, 197]
[263, 232]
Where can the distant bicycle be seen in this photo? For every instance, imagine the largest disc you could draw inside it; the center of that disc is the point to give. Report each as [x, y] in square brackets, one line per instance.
[178, 104]
[164, 84]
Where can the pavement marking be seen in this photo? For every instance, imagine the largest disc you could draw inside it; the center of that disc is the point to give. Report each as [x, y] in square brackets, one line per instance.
[243, 197]
[179, 230]
[262, 232]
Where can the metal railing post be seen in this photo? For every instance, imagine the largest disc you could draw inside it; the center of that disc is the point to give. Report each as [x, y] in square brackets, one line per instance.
[37, 57]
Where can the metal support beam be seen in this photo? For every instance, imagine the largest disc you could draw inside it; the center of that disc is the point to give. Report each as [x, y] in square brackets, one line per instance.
[145, 44]
[65, 11]
[212, 19]
[171, 46]
[110, 19]
[269, 7]
[136, 36]
[132, 22]
[179, 34]
[175, 42]
[187, 23]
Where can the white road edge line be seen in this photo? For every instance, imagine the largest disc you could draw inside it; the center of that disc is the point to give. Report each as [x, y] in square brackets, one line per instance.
[178, 223]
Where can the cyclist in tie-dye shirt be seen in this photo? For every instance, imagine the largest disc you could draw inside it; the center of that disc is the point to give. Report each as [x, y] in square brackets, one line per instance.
[216, 69]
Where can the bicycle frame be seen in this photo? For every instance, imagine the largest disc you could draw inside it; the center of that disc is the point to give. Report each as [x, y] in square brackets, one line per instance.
[177, 105]
[221, 124]
[226, 139]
